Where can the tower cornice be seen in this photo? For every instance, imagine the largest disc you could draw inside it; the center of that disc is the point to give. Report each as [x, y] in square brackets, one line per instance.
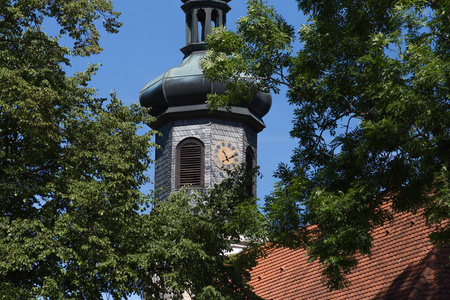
[220, 4]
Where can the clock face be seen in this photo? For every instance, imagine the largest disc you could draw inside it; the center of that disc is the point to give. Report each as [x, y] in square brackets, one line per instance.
[226, 155]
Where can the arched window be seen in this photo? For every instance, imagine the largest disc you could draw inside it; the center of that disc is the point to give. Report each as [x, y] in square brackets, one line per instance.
[201, 17]
[215, 17]
[250, 164]
[190, 164]
[190, 28]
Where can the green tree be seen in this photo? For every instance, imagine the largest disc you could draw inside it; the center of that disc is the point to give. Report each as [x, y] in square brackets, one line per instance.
[192, 234]
[71, 165]
[73, 221]
[370, 89]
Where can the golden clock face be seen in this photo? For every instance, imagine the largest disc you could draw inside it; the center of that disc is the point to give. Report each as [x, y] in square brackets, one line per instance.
[226, 155]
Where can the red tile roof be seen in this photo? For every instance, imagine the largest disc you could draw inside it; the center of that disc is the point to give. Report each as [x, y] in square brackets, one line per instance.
[403, 265]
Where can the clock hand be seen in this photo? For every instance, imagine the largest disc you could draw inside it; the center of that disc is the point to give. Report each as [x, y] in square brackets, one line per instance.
[233, 154]
[224, 153]
[228, 158]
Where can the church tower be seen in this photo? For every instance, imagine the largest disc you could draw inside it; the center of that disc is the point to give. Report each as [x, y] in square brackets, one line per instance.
[197, 146]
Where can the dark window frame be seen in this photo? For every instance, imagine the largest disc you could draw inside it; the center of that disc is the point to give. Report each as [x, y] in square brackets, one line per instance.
[190, 164]
[250, 164]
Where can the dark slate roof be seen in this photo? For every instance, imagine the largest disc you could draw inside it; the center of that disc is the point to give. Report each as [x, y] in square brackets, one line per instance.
[403, 265]
[182, 92]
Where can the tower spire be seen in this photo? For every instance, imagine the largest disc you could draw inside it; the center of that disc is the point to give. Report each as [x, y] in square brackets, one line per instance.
[201, 17]
[198, 146]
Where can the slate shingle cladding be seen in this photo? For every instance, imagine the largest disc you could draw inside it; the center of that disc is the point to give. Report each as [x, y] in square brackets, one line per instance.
[209, 131]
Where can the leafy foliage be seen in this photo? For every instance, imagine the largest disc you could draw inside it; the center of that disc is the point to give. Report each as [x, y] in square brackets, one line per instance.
[73, 221]
[370, 88]
[247, 72]
[71, 165]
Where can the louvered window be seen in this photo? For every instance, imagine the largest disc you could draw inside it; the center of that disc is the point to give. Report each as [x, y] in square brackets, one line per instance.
[190, 163]
[250, 163]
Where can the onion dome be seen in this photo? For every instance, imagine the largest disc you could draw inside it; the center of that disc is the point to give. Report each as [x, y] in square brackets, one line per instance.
[181, 92]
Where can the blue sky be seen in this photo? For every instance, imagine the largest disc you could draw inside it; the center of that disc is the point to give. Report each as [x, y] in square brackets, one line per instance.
[148, 44]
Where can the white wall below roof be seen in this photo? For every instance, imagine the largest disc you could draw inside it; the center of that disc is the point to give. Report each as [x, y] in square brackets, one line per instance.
[237, 248]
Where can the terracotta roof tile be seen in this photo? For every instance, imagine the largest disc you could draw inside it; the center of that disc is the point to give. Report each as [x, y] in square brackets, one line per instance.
[403, 265]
